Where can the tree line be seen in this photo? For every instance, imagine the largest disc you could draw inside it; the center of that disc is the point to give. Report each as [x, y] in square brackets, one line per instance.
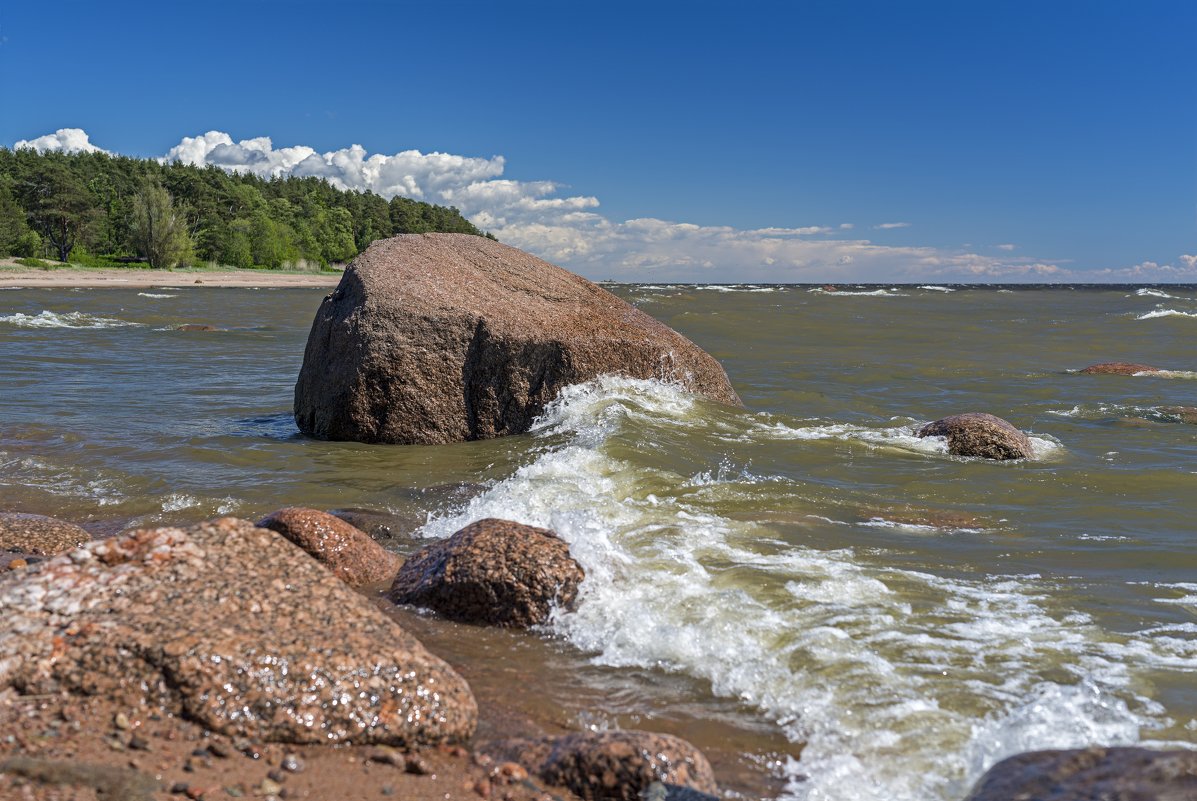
[95, 208]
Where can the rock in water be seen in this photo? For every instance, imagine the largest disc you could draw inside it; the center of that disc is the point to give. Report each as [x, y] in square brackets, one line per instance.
[348, 551]
[611, 765]
[1090, 774]
[39, 535]
[980, 435]
[1119, 368]
[232, 626]
[492, 571]
[435, 338]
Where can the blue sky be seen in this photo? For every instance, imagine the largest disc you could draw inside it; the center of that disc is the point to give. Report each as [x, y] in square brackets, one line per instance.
[675, 141]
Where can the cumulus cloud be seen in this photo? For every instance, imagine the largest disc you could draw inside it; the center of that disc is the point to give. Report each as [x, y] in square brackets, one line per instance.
[66, 140]
[539, 216]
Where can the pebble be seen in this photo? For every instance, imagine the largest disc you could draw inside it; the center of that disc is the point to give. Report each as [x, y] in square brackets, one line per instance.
[276, 776]
[292, 763]
[512, 771]
[268, 787]
[417, 766]
[121, 721]
[139, 743]
[220, 749]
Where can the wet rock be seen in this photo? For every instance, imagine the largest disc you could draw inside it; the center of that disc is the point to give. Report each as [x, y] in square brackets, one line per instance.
[232, 626]
[378, 524]
[1183, 414]
[659, 791]
[436, 338]
[109, 783]
[1090, 774]
[1119, 368]
[39, 535]
[197, 326]
[980, 435]
[614, 765]
[348, 551]
[492, 571]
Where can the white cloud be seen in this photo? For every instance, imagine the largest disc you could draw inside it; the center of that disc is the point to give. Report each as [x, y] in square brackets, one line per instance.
[569, 230]
[67, 140]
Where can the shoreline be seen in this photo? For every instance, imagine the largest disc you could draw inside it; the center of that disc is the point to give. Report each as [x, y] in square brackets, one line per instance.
[18, 277]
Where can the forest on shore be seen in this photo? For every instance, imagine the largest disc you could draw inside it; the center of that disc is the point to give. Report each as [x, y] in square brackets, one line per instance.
[97, 209]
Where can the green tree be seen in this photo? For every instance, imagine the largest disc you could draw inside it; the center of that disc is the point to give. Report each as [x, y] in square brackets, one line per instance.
[16, 239]
[59, 207]
[160, 228]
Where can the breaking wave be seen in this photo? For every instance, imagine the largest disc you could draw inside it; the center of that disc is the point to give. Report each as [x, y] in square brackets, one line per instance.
[903, 685]
[49, 319]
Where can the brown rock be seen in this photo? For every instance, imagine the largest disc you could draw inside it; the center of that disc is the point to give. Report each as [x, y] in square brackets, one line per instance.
[197, 326]
[615, 765]
[980, 435]
[435, 338]
[232, 626]
[1183, 414]
[492, 571]
[1132, 774]
[349, 552]
[39, 535]
[1119, 368]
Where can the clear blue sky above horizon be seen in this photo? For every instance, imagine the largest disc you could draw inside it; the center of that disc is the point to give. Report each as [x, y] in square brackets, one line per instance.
[1065, 129]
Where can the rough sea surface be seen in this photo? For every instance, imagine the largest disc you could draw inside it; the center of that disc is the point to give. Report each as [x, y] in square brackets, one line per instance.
[853, 612]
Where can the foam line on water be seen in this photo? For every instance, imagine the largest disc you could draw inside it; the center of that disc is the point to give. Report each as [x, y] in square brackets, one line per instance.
[904, 685]
[1164, 313]
[49, 319]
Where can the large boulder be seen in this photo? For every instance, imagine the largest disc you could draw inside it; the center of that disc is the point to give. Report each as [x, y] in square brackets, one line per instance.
[232, 626]
[348, 551]
[980, 435]
[1092, 774]
[492, 571]
[1119, 368]
[36, 534]
[435, 338]
[610, 765]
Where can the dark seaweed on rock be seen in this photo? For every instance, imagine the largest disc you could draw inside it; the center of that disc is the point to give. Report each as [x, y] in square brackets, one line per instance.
[440, 338]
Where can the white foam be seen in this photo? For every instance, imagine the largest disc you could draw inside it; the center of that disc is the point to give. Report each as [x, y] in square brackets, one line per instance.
[1146, 292]
[49, 319]
[155, 295]
[934, 288]
[1165, 313]
[178, 501]
[736, 288]
[875, 293]
[28, 471]
[900, 437]
[904, 685]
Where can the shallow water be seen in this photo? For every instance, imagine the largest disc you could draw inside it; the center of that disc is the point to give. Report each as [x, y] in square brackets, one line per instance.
[801, 571]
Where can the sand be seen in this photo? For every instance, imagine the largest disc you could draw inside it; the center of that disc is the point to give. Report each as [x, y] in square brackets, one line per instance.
[14, 275]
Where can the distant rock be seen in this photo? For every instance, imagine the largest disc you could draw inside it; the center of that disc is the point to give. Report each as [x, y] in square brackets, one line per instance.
[436, 338]
[610, 765]
[1119, 368]
[1183, 414]
[492, 571]
[1092, 774]
[197, 326]
[39, 535]
[235, 628]
[349, 552]
[980, 435]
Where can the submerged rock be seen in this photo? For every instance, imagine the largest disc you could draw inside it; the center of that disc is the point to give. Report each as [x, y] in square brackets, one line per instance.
[492, 571]
[1119, 368]
[39, 535]
[980, 435]
[1183, 414]
[611, 765]
[436, 338]
[235, 628]
[1091, 774]
[349, 552]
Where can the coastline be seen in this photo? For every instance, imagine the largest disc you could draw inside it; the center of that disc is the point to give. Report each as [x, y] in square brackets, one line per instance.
[14, 276]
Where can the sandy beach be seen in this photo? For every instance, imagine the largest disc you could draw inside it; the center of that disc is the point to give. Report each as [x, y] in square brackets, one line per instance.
[15, 275]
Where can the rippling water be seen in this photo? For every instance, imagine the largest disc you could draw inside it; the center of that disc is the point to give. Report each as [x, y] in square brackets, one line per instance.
[802, 576]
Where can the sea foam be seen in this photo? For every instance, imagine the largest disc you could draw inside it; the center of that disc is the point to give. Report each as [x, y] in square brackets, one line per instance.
[49, 319]
[904, 686]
